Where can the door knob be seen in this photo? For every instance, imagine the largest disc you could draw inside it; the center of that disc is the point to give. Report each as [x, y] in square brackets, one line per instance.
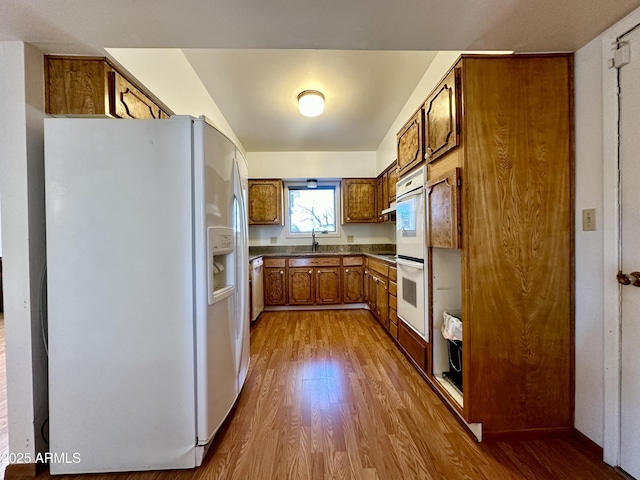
[631, 279]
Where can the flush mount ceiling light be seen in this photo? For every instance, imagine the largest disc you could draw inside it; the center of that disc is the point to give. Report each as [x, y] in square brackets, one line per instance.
[311, 103]
[312, 183]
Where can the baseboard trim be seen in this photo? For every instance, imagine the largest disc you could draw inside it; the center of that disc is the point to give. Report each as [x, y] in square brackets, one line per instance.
[588, 444]
[337, 306]
[528, 434]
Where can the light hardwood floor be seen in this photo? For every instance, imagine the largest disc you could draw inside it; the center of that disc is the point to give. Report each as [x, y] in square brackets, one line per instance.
[329, 396]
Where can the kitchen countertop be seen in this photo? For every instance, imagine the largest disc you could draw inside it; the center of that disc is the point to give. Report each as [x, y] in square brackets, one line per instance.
[387, 257]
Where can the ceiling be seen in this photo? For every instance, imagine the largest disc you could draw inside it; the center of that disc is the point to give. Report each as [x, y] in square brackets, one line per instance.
[254, 56]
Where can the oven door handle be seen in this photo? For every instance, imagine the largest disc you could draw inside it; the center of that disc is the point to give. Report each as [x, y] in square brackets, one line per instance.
[406, 263]
[407, 196]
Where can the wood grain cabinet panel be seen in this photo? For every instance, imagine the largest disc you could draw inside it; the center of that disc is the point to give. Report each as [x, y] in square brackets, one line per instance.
[443, 204]
[380, 200]
[275, 285]
[410, 143]
[130, 102]
[382, 301]
[301, 286]
[413, 345]
[514, 155]
[517, 229]
[77, 85]
[328, 286]
[353, 281]
[359, 200]
[265, 202]
[441, 128]
[365, 286]
[392, 180]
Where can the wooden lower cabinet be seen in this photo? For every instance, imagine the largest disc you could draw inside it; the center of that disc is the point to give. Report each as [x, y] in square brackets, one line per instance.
[320, 280]
[328, 286]
[301, 286]
[382, 301]
[372, 298]
[353, 282]
[275, 282]
[393, 301]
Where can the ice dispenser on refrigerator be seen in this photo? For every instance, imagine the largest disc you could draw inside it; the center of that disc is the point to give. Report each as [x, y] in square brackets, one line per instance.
[220, 251]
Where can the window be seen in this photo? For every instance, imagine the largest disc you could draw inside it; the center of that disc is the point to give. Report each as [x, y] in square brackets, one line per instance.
[312, 209]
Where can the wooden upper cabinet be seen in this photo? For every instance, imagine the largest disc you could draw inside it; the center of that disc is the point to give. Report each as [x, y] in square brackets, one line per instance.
[359, 200]
[444, 224]
[130, 102]
[410, 144]
[392, 179]
[380, 197]
[76, 85]
[265, 202]
[441, 127]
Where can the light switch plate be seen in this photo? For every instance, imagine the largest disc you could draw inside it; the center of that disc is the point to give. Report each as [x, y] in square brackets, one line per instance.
[350, 238]
[274, 239]
[588, 219]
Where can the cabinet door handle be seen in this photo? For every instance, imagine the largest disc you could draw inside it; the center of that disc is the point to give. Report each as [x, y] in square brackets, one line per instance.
[281, 272]
[632, 278]
[310, 272]
[346, 271]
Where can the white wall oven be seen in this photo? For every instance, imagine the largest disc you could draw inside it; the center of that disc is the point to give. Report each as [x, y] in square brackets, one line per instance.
[411, 251]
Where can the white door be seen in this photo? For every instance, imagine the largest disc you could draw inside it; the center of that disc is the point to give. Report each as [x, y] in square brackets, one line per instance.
[630, 257]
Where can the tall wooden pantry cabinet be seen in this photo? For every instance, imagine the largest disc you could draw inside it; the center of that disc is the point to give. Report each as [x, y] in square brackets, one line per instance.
[499, 155]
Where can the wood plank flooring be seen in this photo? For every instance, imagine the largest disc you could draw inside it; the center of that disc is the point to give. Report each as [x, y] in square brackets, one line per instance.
[329, 396]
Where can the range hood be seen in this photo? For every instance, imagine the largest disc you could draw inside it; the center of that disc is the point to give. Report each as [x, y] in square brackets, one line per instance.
[391, 209]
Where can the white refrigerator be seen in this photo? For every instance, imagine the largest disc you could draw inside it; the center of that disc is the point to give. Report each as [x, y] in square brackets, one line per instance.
[148, 318]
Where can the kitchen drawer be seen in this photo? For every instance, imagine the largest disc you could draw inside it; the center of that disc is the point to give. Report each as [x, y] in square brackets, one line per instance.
[393, 273]
[274, 262]
[393, 330]
[393, 288]
[413, 345]
[393, 300]
[314, 262]
[393, 316]
[379, 266]
[352, 261]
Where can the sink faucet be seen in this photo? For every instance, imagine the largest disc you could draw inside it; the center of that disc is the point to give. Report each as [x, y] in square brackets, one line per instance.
[314, 244]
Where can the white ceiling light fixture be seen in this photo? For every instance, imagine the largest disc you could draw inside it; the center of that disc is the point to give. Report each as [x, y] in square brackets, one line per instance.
[311, 103]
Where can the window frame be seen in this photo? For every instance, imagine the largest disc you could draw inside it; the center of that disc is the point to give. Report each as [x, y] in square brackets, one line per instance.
[335, 185]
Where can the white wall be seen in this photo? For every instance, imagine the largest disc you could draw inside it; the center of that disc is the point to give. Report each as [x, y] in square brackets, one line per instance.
[386, 152]
[22, 188]
[303, 165]
[167, 73]
[318, 165]
[589, 246]
[363, 234]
